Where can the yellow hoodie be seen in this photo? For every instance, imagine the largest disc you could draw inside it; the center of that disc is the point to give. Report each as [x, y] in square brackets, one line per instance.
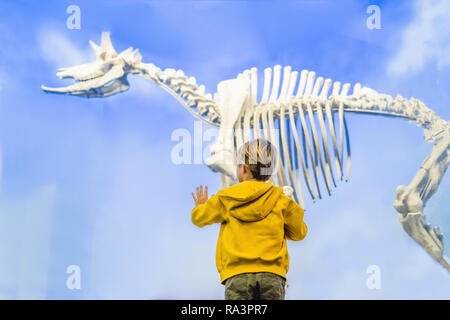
[256, 219]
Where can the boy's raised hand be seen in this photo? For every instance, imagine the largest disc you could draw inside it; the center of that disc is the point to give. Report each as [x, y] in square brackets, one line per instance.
[201, 196]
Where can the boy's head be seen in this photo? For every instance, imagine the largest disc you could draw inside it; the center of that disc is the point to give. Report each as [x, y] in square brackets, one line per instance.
[256, 160]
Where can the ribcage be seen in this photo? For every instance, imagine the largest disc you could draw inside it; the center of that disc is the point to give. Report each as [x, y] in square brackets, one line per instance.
[308, 128]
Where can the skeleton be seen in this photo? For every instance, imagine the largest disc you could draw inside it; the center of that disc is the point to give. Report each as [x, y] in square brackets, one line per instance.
[306, 120]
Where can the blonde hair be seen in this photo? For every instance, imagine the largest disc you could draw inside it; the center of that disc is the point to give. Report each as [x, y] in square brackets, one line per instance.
[260, 156]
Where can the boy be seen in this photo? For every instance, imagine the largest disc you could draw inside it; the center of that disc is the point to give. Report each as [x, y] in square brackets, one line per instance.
[256, 219]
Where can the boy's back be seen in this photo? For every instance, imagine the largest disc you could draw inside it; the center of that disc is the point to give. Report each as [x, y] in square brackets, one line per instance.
[256, 219]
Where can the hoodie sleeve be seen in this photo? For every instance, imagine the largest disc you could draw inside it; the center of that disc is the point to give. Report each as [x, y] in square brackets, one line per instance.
[212, 211]
[294, 226]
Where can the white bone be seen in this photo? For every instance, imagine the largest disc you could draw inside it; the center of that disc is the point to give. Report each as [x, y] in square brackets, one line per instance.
[317, 86]
[315, 135]
[341, 136]
[286, 78]
[276, 83]
[292, 84]
[192, 81]
[247, 116]
[356, 88]
[347, 141]
[310, 151]
[333, 137]
[274, 139]
[336, 88]
[329, 170]
[309, 83]
[267, 134]
[266, 88]
[247, 74]
[301, 85]
[298, 150]
[256, 126]
[343, 124]
[180, 74]
[254, 85]
[287, 155]
[238, 129]
[108, 75]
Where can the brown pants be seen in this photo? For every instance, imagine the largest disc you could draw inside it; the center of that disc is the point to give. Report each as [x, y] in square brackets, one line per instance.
[255, 286]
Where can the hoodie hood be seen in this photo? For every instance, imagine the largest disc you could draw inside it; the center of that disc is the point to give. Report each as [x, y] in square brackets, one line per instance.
[250, 200]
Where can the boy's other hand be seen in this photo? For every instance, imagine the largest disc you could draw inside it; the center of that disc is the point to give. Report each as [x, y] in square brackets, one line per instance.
[201, 196]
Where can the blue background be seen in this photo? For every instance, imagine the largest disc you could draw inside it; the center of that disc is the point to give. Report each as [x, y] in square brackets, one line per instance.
[90, 182]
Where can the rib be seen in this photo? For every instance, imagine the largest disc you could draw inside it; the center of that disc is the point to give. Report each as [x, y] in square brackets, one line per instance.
[276, 83]
[254, 86]
[306, 138]
[288, 156]
[323, 96]
[267, 137]
[336, 87]
[247, 132]
[308, 90]
[256, 129]
[266, 88]
[299, 151]
[286, 79]
[280, 172]
[344, 92]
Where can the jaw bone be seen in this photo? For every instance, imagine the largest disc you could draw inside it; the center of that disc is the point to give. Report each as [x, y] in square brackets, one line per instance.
[105, 76]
